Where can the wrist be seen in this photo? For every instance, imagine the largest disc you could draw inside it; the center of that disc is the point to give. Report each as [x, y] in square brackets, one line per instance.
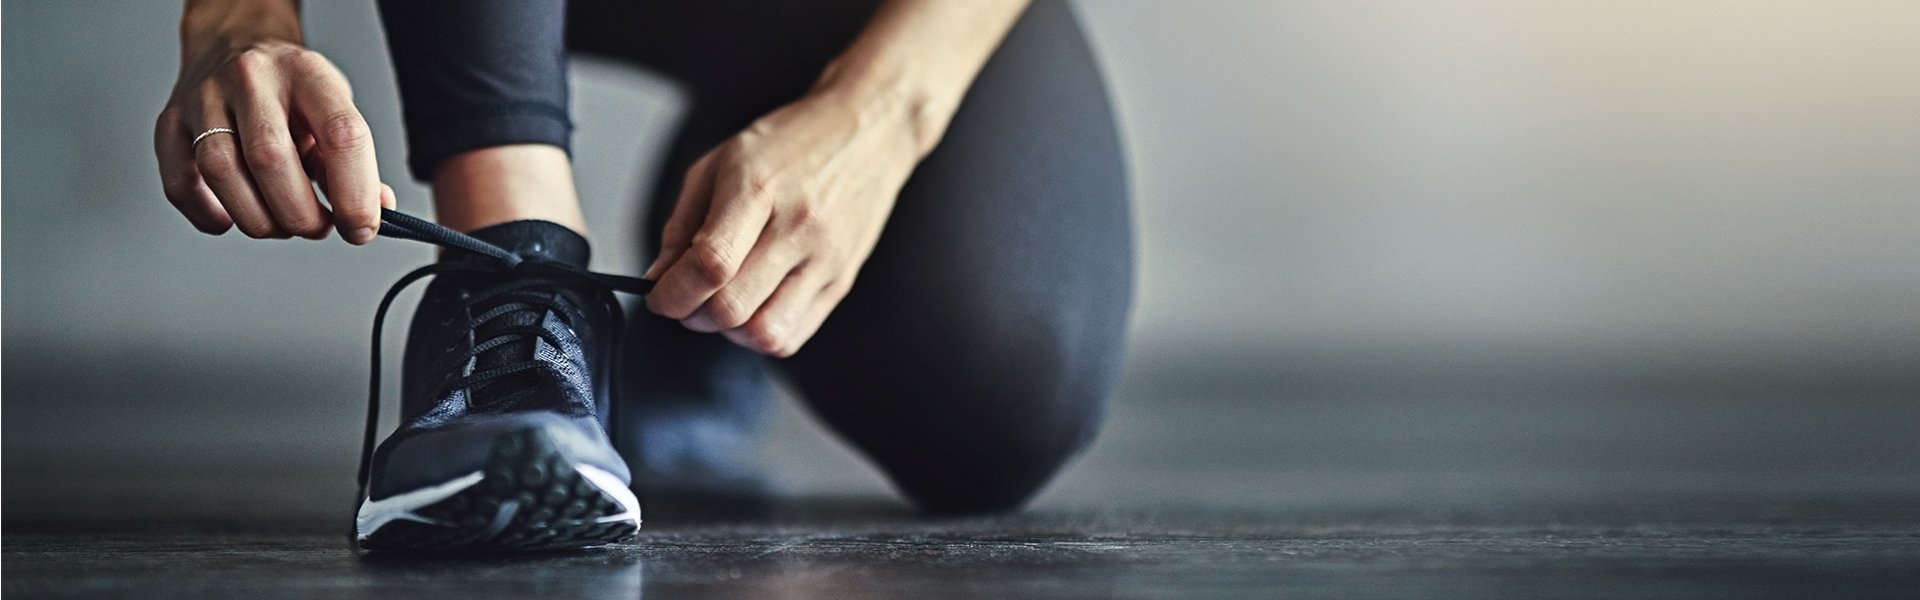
[890, 94]
[915, 60]
[221, 25]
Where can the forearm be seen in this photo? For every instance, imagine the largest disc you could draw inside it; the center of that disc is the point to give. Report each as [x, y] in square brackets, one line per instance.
[916, 59]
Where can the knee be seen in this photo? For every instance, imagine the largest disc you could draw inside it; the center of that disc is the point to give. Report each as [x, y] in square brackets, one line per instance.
[977, 466]
[982, 419]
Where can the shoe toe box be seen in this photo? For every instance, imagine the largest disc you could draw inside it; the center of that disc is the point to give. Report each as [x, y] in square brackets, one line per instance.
[426, 456]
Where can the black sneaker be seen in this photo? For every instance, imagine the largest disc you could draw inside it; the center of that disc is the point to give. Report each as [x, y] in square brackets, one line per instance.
[505, 397]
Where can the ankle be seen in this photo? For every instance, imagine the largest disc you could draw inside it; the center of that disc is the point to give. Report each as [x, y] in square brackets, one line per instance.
[495, 185]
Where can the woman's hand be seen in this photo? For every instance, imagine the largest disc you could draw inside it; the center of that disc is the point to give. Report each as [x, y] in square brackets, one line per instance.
[772, 226]
[292, 113]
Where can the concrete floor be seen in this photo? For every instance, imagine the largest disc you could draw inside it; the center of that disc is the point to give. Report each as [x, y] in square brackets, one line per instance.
[212, 492]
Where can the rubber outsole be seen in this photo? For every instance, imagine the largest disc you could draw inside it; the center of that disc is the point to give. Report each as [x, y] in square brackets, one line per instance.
[530, 497]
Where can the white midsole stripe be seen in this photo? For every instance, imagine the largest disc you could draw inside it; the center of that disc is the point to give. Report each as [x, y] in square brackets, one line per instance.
[377, 513]
[611, 484]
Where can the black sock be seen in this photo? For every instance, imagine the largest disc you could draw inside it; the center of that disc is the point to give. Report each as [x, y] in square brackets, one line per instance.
[545, 240]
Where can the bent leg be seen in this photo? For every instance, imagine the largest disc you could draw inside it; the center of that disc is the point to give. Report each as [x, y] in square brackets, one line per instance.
[977, 349]
[975, 353]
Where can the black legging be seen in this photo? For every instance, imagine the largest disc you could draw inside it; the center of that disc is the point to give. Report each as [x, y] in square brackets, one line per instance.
[975, 353]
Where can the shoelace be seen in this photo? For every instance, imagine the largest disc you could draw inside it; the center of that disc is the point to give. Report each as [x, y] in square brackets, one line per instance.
[512, 302]
[399, 225]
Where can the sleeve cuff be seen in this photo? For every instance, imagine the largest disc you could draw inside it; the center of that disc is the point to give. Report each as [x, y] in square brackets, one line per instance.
[432, 143]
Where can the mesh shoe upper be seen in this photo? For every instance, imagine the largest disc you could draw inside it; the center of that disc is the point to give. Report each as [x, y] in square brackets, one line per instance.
[493, 350]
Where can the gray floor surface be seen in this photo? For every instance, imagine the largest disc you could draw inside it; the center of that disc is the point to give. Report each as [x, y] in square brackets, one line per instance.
[212, 492]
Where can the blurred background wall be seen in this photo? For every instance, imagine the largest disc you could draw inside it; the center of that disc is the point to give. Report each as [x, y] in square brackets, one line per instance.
[1707, 195]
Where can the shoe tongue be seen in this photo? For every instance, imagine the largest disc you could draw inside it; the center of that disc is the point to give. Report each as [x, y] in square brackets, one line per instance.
[536, 240]
[540, 240]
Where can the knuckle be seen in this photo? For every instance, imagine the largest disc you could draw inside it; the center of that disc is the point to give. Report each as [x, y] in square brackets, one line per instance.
[166, 128]
[258, 229]
[252, 61]
[263, 150]
[303, 224]
[219, 163]
[728, 311]
[760, 188]
[726, 154]
[837, 291]
[807, 216]
[695, 172]
[177, 188]
[344, 131]
[831, 249]
[710, 263]
[352, 214]
[252, 70]
[306, 61]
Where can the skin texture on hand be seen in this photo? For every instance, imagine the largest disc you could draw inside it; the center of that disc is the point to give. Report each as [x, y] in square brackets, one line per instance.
[294, 122]
[771, 228]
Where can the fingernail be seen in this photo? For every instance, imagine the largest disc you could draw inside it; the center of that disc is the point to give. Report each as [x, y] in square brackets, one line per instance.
[701, 322]
[649, 275]
[361, 235]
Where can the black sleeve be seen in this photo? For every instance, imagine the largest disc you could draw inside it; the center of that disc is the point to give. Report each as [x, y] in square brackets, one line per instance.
[478, 73]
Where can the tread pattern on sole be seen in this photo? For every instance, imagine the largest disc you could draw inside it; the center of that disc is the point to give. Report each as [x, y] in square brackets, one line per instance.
[531, 498]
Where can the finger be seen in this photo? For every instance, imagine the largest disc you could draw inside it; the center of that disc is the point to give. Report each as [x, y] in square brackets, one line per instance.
[734, 222]
[791, 316]
[220, 165]
[769, 264]
[268, 147]
[689, 211]
[180, 179]
[316, 172]
[343, 146]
